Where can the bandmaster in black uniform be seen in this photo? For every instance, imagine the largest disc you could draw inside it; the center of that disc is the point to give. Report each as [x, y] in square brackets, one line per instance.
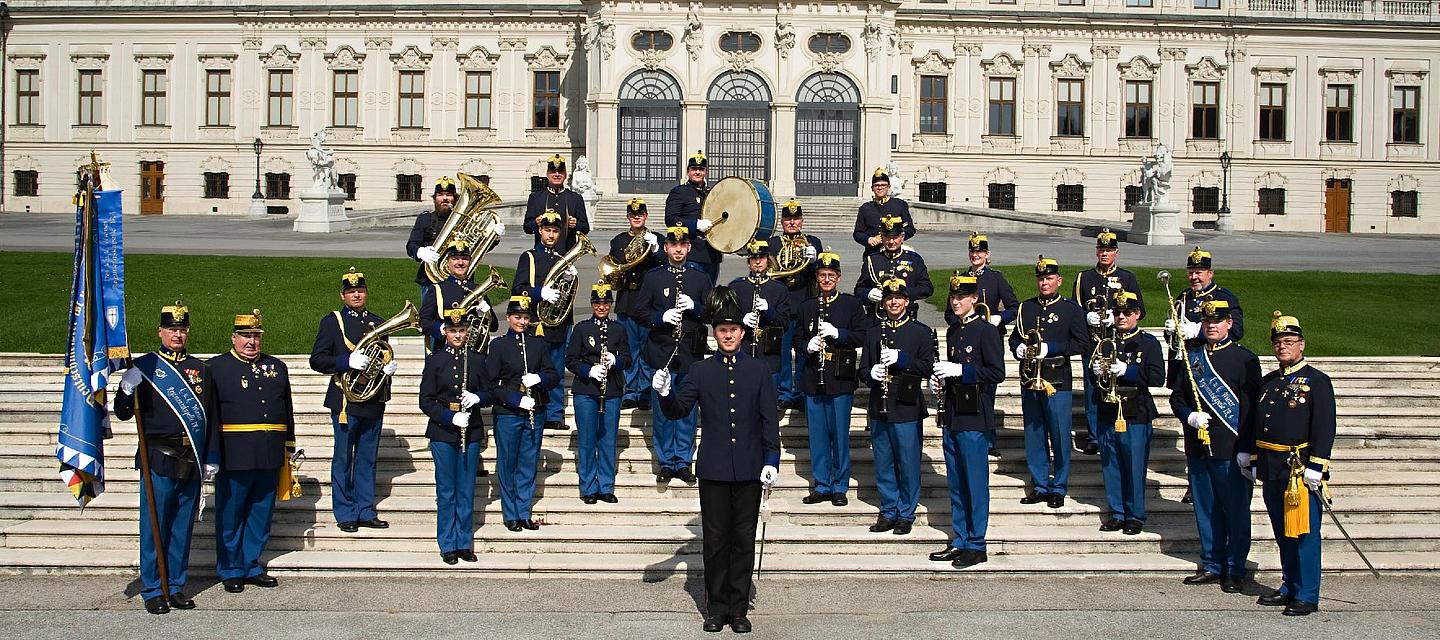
[562, 200]
[893, 260]
[867, 232]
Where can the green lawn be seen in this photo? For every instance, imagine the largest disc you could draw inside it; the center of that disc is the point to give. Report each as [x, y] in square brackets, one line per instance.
[291, 293]
[1344, 314]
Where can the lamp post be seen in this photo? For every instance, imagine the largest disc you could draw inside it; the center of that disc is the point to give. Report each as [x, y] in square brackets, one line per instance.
[257, 199]
[1223, 222]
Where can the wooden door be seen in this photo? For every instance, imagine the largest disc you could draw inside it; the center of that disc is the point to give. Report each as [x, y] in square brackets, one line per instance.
[152, 187]
[1337, 205]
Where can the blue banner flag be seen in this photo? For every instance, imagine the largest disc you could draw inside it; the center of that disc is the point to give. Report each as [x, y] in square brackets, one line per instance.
[98, 343]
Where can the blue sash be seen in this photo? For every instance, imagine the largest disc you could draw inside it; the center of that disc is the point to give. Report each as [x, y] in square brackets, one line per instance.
[1214, 392]
[179, 396]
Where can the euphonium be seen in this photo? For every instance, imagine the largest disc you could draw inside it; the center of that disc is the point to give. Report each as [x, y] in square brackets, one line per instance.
[470, 221]
[552, 314]
[479, 335]
[611, 269]
[791, 259]
[363, 384]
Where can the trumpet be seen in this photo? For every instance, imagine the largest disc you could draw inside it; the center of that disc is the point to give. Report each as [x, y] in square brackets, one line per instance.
[1177, 345]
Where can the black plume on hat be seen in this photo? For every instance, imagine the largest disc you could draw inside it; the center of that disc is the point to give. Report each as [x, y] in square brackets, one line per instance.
[722, 306]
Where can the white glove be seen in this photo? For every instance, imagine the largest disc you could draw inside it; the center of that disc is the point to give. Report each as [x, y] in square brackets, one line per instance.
[208, 473]
[598, 372]
[607, 360]
[874, 295]
[762, 304]
[572, 272]
[827, 330]
[889, 356]
[654, 244]
[426, 254]
[468, 400]
[810, 252]
[684, 302]
[1243, 459]
[673, 316]
[1198, 420]
[1108, 319]
[1021, 351]
[661, 382]
[130, 380]
[1044, 350]
[751, 320]
[1097, 368]
[358, 360]
[1093, 318]
[1190, 330]
[996, 320]
[1118, 368]
[946, 369]
[768, 474]
[1170, 326]
[461, 419]
[1312, 479]
[530, 380]
[815, 345]
[390, 368]
[549, 294]
[483, 308]
[877, 372]
[497, 228]
[527, 403]
[702, 225]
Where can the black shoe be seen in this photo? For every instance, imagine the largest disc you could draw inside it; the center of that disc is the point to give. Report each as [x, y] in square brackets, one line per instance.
[513, 525]
[263, 580]
[629, 404]
[644, 405]
[608, 498]
[993, 453]
[1133, 527]
[969, 559]
[1297, 608]
[1203, 577]
[467, 555]
[902, 527]
[1090, 449]
[714, 624]
[882, 524]
[1034, 497]
[530, 525]
[1232, 584]
[1275, 599]
[348, 527]
[450, 558]
[664, 475]
[1055, 501]
[685, 475]
[740, 624]
[234, 585]
[481, 472]
[839, 499]
[157, 605]
[1186, 499]
[948, 554]
[589, 498]
[373, 523]
[179, 601]
[1112, 524]
[556, 426]
[815, 497]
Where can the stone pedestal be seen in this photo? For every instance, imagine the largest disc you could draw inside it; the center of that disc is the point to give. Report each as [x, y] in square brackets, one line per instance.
[592, 201]
[1156, 224]
[257, 208]
[322, 211]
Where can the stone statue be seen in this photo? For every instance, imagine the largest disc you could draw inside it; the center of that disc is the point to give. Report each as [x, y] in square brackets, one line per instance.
[1155, 176]
[784, 38]
[693, 33]
[582, 181]
[322, 161]
[599, 33]
[897, 180]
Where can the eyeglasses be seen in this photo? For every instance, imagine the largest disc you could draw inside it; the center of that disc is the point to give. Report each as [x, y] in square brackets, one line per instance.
[1286, 342]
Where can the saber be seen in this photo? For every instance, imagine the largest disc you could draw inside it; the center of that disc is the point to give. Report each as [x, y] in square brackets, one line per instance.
[764, 520]
[1336, 519]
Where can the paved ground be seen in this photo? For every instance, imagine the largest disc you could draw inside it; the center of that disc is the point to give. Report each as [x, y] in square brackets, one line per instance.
[1011, 607]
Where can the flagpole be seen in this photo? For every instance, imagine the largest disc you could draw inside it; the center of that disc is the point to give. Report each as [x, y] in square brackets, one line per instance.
[145, 484]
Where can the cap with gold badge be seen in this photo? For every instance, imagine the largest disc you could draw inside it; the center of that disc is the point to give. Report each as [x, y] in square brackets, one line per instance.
[1283, 325]
[979, 242]
[602, 292]
[249, 322]
[1198, 259]
[174, 315]
[444, 184]
[352, 279]
[963, 285]
[555, 163]
[1107, 239]
[697, 161]
[1046, 267]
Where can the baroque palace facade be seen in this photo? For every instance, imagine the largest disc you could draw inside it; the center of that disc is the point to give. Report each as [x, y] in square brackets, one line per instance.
[1323, 109]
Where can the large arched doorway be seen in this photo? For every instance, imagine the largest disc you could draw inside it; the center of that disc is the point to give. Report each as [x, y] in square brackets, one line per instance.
[737, 126]
[649, 132]
[827, 136]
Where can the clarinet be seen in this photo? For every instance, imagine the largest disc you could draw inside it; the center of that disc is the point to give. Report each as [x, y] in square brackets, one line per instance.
[822, 315]
[942, 415]
[680, 326]
[604, 349]
[885, 381]
[524, 371]
[755, 309]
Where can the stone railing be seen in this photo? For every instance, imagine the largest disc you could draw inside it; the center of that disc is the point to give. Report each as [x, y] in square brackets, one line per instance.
[1318, 10]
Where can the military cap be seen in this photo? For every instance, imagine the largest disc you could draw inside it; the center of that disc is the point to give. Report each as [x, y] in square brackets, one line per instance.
[1215, 310]
[963, 285]
[892, 225]
[756, 249]
[1285, 325]
[555, 163]
[550, 218]
[352, 279]
[698, 160]
[1198, 259]
[636, 206]
[1107, 239]
[880, 175]
[602, 292]
[457, 247]
[894, 286]
[677, 234]
[1046, 267]
[456, 316]
[979, 242]
[519, 304]
[444, 184]
[791, 209]
[248, 322]
[175, 315]
[828, 259]
[1127, 300]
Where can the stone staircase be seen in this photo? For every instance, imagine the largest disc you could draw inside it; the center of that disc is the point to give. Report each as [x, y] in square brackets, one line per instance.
[1387, 491]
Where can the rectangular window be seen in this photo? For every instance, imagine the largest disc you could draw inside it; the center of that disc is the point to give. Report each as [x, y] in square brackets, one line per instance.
[346, 182]
[1207, 4]
[1070, 3]
[407, 187]
[91, 101]
[27, 96]
[1069, 197]
[477, 100]
[277, 186]
[1272, 111]
[1001, 195]
[217, 185]
[1002, 106]
[152, 98]
[27, 184]
[1339, 113]
[1403, 204]
[1133, 193]
[412, 99]
[1272, 202]
[217, 98]
[1137, 109]
[1070, 108]
[932, 192]
[547, 100]
[282, 98]
[1205, 200]
[1405, 120]
[345, 99]
[1205, 110]
[1139, 3]
[933, 110]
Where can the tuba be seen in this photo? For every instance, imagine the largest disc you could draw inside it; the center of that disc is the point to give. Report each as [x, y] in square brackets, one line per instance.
[554, 314]
[479, 336]
[364, 384]
[791, 259]
[612, 270]
[471, 220]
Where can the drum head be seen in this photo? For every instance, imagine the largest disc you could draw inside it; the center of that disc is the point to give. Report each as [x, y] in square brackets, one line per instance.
[734, 207]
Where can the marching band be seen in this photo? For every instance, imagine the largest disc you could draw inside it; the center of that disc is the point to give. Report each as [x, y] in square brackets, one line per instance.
[787, 338]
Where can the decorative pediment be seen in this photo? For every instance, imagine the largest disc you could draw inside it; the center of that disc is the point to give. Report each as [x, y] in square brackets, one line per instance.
[1001, 65]
[1000, 175]
[408, 166]
[1403, 182]
[1402, 76]
[1270, 180]
[1068, 175]
[546, 58]
[217, 61]
[27, 60]
[934, 63]
[476, 167]
[280, 57]
[215, 164]
[1340, 75]
[1274, 74]
[1071, 66]
[1205, 178]
[478, 58]
[411, 59]
[153, 61]
[1138, 68]
[89, 60]
[345, 59]
[277, 164]
[1205, 69]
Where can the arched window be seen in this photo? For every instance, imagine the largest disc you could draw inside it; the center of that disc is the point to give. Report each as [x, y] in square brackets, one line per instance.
[827, 136]
[737, 126]
[649, 146]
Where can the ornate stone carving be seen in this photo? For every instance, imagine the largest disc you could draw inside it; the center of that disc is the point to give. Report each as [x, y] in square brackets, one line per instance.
[444, 43]
[1270, 180]
[1071, 66]
[1334, 75]
[276, 164]
[346, 134]
[1236, 55]
[599, 33]
[477, 59]
[739, 60]
[1403, 182]
[999, 143]
[27, 60]
[651, 58]
[1001, 65]
[934, 63]
[513, 43]
[408, 165]
[313, 42]
[1274, 74]
[1400, 77]
[961, 47]
[1173, 53]
[280, 57]
[879, 37]
[411, 59]
[27, 132]
[217, 61]
[546, 58]
[1105, 52]
[694, 36]
[784, 39]
[252, 42]
[1000, 175]
[89, 60]
[215, 164]
[344, 59]
[1036, 50]
[378, 43]
[151, 155]
[476, 167]
[1138, 68]
[828, 61]
[1068, 175]
[153, 61]
[1205, 69]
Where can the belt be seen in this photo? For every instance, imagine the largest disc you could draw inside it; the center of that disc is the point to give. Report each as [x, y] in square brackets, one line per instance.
[258, 426]
[454, 406]
[1281, 448]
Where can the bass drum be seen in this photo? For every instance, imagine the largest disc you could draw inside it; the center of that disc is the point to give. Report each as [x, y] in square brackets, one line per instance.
[740, 210]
